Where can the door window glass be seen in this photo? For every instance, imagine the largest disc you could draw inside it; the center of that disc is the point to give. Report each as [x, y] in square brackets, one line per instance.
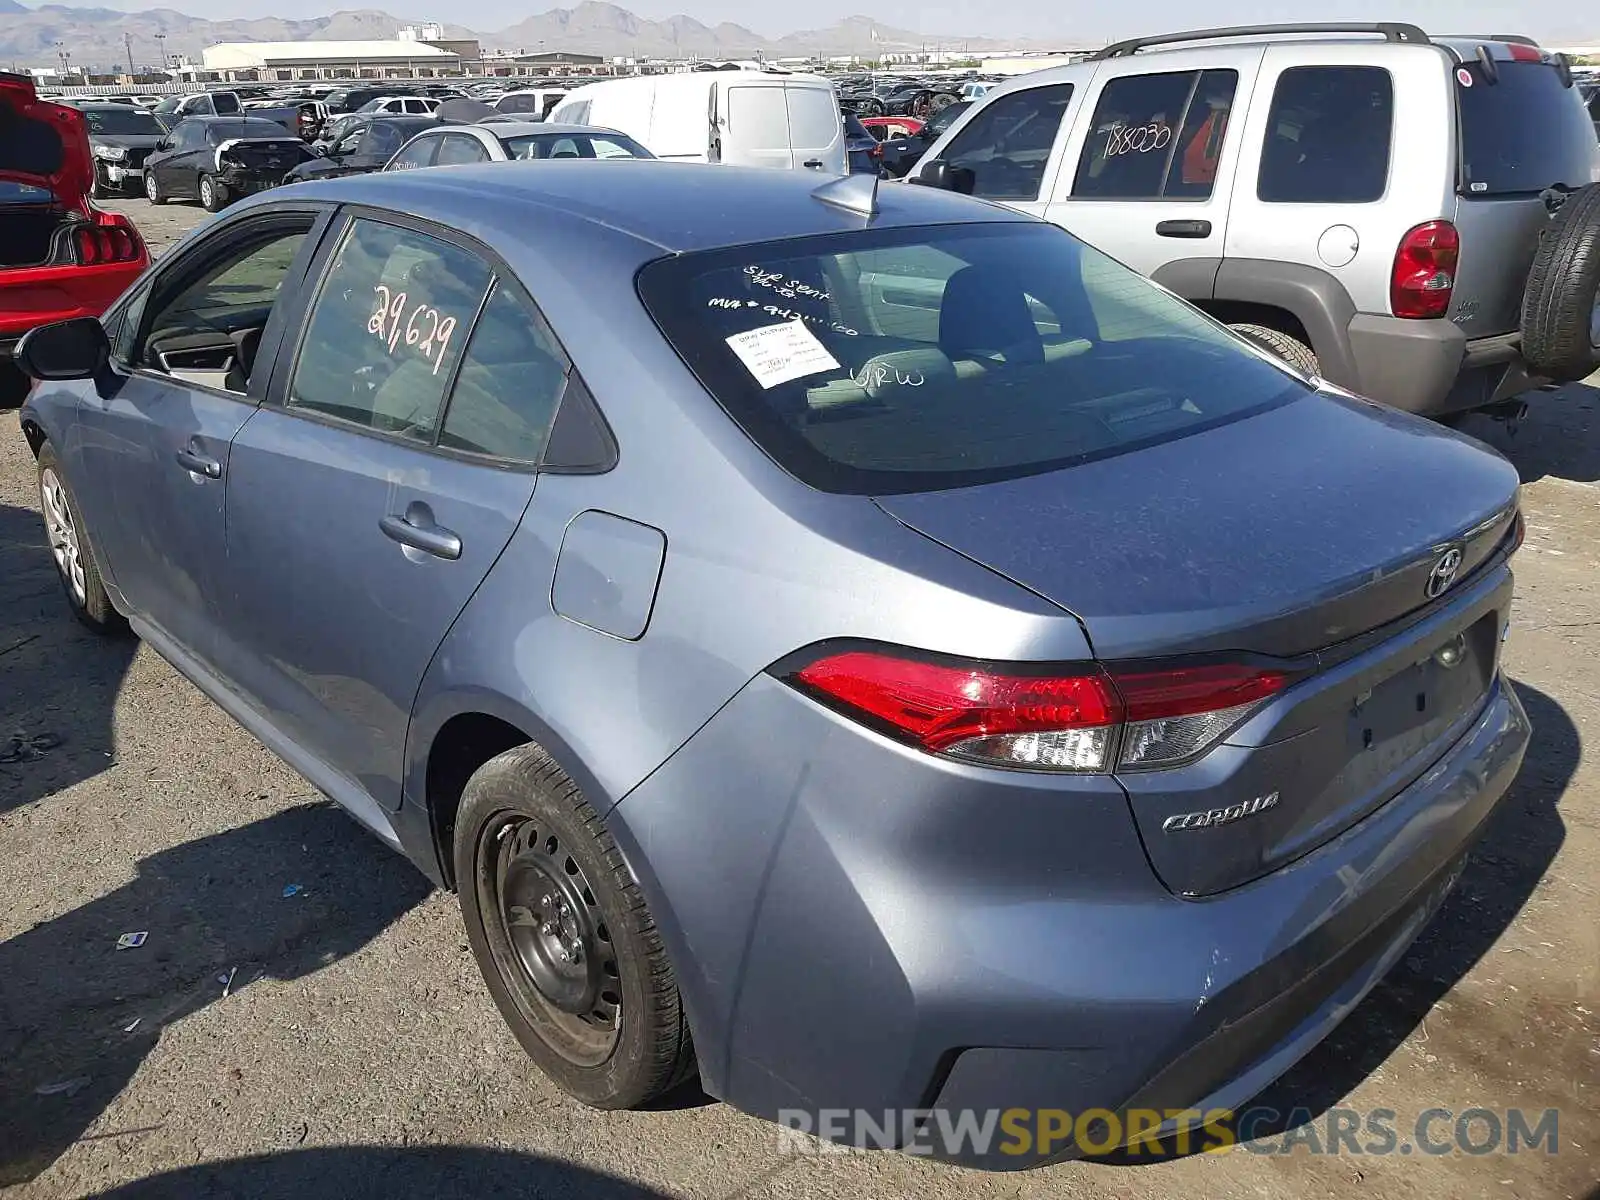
[387, 328]
[1007, 143]
[459, 148]
[383, 140]
[205, 327]
[418, 154]
[813, 117]
[1157, 136]
[758, 118]
[510, 381]
[1328, 135]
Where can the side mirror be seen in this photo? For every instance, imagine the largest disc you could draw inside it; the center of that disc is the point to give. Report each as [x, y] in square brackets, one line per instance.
[941, 174]
[75, 349]
[164, 145]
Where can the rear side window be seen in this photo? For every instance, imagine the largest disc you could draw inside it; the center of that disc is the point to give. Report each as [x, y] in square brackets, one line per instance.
[224, 103]
[1007, 143]
[1522, 132]
[1157, 136]
[387, 329]
[889, 361]
[510, 380]
[1328, 136]
[459, 148]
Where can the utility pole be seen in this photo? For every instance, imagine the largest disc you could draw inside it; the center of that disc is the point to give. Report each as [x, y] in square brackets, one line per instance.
[127, 44]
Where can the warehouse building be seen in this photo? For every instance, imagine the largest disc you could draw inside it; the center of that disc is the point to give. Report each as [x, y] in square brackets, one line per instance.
[291, 62]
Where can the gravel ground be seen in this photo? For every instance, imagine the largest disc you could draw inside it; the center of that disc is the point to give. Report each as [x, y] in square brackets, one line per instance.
[339, 1041]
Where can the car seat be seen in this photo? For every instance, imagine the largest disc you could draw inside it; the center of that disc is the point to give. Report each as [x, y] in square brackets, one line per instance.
[985, 315]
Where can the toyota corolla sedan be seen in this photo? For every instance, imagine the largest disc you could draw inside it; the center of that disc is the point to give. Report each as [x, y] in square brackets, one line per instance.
[861, 650]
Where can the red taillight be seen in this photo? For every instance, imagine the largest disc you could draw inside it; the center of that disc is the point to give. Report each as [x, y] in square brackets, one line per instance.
[1425, 270]
[98, 245]
[1522, 53]
[1084, 720]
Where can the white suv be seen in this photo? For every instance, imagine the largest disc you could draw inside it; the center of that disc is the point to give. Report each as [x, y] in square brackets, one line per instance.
[1365, 201]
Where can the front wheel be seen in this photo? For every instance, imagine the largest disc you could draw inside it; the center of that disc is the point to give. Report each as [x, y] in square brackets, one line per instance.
[69, 546]
[563, 937]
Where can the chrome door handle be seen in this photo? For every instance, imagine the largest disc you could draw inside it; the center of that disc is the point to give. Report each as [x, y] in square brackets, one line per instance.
[417, 530]
[193, 461]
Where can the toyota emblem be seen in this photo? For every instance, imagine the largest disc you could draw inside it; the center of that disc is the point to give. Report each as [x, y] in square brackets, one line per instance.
[1443, 573]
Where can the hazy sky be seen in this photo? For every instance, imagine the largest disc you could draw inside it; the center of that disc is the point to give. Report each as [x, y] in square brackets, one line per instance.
[1546, 19]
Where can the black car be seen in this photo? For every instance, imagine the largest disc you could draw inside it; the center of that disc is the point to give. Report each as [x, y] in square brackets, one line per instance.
[905, 99]
[121, 137]
[218, 159]
[363, 147]
[901, 154]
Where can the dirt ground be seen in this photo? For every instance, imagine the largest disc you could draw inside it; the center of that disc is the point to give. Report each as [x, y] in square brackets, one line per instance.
[338, 1041]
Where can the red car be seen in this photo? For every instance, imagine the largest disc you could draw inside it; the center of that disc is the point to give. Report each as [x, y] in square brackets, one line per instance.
[884, 128]
[60, 256]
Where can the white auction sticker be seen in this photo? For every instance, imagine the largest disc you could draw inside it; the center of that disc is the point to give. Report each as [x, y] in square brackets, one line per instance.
[775, 354]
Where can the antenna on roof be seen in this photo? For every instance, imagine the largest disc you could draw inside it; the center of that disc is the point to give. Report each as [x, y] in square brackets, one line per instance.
[857, 193]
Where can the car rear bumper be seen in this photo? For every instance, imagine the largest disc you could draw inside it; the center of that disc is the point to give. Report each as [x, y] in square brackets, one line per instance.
[858, 927]
[1432, 368]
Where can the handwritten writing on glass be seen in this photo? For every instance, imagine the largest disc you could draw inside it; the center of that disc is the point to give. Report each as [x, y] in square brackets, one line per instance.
[876, 374]
[789, 289]
[426, 330]
[1137, 139]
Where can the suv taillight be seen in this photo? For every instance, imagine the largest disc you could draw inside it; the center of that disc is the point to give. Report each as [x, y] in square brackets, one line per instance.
[1090, 719]
[1424, 272]
[98, 245]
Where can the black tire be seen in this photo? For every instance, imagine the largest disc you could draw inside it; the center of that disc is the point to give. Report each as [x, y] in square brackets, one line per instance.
[620, 1039]
[88, 600]
[1560, 317]
[152, 188]
[1290, 349]
[213, 194]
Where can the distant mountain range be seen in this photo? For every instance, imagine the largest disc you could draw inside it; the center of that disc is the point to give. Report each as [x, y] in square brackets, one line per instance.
[95, 36]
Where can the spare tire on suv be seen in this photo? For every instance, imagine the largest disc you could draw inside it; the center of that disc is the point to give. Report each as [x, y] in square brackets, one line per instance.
[1561, 306]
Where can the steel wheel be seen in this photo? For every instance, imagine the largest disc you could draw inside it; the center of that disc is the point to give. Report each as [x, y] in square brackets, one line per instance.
[554, 950]
[63, 535]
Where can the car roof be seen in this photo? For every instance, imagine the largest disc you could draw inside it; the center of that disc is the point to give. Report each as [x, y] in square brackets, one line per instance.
[677, 207]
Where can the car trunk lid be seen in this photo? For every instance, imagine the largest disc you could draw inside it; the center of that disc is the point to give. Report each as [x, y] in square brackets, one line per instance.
[42, 145]
[1520, 131]
[264, 153]
[1330, 533]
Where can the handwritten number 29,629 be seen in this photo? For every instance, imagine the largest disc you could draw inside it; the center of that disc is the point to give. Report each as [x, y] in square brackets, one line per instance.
[425, 328]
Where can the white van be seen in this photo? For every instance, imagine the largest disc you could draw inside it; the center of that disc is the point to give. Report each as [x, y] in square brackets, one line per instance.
[747, 118]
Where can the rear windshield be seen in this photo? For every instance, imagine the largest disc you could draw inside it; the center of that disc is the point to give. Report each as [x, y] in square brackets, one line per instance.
[574, 145]
[250, 127]
[888, 361]
[122, 120]
[1523, 132]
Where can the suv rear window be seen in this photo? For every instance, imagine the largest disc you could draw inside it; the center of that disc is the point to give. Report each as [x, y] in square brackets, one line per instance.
[889, 361]
[1328, 136]
[1523, 132]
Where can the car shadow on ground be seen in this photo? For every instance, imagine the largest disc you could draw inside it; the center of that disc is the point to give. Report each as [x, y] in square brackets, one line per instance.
[58, 679]
[78, 1015]
[1560, 438]
[1505, 867]
[384, 1173]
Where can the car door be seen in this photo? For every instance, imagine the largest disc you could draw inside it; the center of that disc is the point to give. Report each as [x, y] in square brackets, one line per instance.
[756, 129]
[167, 167]
[151, 445]
[1148, 177]
[194, 157]
[1011, 145]
[362, 513]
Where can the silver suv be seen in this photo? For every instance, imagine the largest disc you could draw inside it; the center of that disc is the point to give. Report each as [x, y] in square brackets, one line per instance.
[1364, 200]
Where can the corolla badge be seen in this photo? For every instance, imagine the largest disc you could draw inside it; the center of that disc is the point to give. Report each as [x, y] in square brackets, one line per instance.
[1213, 817]
[1443, 573]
